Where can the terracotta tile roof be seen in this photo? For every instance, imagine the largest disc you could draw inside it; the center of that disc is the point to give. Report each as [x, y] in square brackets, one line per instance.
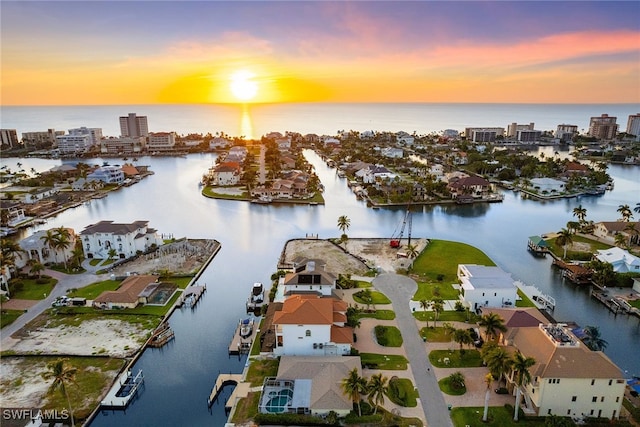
[342, 334]
[305, 310]
[128, 291]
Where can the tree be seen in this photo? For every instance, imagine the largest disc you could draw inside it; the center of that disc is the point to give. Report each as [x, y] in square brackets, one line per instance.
[637, 208]
[49, 239]
[580, 213]
[620, 240]
[343, 223]
[632, 231]
[488, 379]
[497, 359]
[437, 306]
[492, 324]
[625, 212]
[412, 251]
[62, 374]
[424, 305]
[365, 294]
[462, 337]
[521, 376]
[377, 387]
[564, 239]
[457, 380]
[353, 386]
[35, 267]
[593, 339]
[112, 253]
[62, 241]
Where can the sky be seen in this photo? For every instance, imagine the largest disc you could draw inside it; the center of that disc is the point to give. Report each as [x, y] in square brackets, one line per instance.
[148, 52]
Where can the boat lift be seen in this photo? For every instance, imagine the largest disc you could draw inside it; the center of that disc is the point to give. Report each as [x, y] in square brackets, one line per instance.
[395, 239]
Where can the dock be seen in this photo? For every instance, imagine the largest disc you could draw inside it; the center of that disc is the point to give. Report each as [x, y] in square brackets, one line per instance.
[223, 380]
[537, 246]
[612, 304]
[191, 295]
[125, 389]
[541, 300]
[240, 345]
[162, 335]
[576, 273]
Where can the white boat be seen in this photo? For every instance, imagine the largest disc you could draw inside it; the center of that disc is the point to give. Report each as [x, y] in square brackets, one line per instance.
[256, 299]
[263, 199]
[246, 328]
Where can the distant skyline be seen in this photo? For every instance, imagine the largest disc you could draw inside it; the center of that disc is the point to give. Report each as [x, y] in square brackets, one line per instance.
[148, 52]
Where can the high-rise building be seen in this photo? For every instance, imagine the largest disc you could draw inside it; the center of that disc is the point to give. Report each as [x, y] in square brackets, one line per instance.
[565, 132]
[633, 125]
[9, 138]
[603, 127]
[134, 125]
[513, 128]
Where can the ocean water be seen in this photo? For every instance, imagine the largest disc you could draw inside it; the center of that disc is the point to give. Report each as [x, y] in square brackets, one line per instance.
[253, 121]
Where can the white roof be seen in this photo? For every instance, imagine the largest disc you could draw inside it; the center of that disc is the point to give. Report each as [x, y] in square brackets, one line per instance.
[484, 277]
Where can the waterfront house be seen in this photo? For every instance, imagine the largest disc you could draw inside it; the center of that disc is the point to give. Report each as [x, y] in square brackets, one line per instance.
[474, 186]
[372, 174]
[311, 386]
[107, 174]
[483, 286]
[218, 143]
[225, 173]
[127, 239]
[607, 230]
[308, 276]
[621, 260]
[391, 152]
[36, 195]
[311, 325]
[35, 247]
[132, 291]
[237, 154]
[567, 379]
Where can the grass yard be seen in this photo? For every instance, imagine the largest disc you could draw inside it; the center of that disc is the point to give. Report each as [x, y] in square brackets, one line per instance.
[388, 336]
[376, 298]
[93, 290]
[441, 257]
[33, 290]
[246, 408]
[210, 192]
[446, 387]
[438, 334]
[471, 359]
[499, 416]
[384, 361]
[378, 314]
[429, 291]
[524, 300]
[7, 317]
[260, 369]
[446, 316]
[402, 392]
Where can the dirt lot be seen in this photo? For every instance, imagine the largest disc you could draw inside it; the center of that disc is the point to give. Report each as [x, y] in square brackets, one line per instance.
[365, 254]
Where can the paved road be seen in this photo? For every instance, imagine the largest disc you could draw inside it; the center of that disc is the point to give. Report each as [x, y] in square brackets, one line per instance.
[65, 282]
[400, 289]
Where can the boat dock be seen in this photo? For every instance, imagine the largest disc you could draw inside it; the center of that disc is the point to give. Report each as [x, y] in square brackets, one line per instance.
[542, 301]
[610, 303]
[191, 295]
[537, 246]
[223, 380]
[123, 390]
[576, 273]
[242, 345]
[162, 335]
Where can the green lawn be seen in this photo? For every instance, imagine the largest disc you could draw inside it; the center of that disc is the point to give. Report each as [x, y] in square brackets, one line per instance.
[635, 303]
[95, 289]
[499, 416]
[402, 392]
[32, 290]
[388, 336]
[438, 334]
[384, 361]
[376, 298]
[594, 245]
[524, 301]
[209, 191]
[429, 291]
[446, 387]
[260, 369]
[471, 359]
[378, 314]
[7, 317]
[445, 316]
[441, 257]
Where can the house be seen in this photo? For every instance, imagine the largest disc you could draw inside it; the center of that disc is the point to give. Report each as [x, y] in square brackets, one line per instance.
[35, 247]
[311, 386]
[218, 143]
[484, 286]
[621, 260]
[575, 168]
[607, 230]
[36, 195]
[237, 154]
[283, 143]
[567, 379]
[308, 276]
[474, 186]
[129, 294]
[310, 325]
[126, 239]
[226, 173]
[371, 174]
[107, 174]
[392, 152]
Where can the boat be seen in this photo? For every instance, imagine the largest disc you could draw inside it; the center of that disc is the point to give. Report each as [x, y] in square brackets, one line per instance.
[263, 199]
[256, 299]
[246, 328]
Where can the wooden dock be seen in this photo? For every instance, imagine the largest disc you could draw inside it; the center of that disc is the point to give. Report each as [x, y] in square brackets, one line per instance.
[191, 295]
[537, 246]
[162, 335]
[240, 345]
[576, 273]
[224, 380]
[610, 303]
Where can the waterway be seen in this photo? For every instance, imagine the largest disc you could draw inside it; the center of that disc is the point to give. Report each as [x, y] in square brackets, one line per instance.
[179, 377]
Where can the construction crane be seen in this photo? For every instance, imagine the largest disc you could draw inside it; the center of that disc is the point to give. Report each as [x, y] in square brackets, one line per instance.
[395, 239]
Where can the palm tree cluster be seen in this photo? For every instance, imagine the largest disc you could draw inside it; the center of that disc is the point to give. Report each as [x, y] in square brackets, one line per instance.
[58, 239]
[356, 386]
[593, 339]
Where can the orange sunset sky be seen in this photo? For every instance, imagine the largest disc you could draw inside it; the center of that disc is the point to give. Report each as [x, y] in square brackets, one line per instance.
[83, 52]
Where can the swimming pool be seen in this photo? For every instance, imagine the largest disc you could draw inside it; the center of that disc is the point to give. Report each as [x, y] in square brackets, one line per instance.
[279, 401]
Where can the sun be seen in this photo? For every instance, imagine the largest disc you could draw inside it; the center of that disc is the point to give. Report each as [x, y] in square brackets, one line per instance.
[243, 86]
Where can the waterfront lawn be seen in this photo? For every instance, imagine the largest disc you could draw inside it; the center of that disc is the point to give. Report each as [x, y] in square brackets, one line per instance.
[261, 369]
[95, 289]
[439, 334]
[635, 303]
[439, 261]
[378, 314]
[585, 255]
[384, 361]
[388, 336]
[429, 291]
[402, 392]
[31, 289]
[246, 408]
[210, 192]
[498, 416]
[471, 359]
[448, 388]
[7, 317]
[376, 298]
[524, 300]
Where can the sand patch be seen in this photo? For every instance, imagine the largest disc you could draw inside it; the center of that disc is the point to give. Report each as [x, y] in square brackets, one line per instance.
[27, 386]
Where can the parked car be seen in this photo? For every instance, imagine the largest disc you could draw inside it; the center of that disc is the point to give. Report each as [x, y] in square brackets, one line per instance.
[63, 301]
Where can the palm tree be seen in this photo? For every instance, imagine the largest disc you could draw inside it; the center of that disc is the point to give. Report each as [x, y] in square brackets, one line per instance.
[488, 379]
[620, 240]
[77, 255]
[637, 208]
[437, 306]
[343, 224]
[625, 212]
[353, 386]
[497, 360]
[62, 242]
[49, 239]
[593, 339]
[377, 387]
[412, 251]
[424, 305]
[112, 253]
[564, 239]
[580, 212]
[632, 231]
[492, 324]
[62, 374]
[457, 380]
[35, 267]
[462, 337]
[367, 297]
[521, 376]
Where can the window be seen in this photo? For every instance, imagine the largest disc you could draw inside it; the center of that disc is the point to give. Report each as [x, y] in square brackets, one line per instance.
[591, 413]
[593, 382]
[601, 398]
[574, 398]
[610, 382]
[308, 333]
[594, 399]
[617, 399]
[568, 411]
[549, 411]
